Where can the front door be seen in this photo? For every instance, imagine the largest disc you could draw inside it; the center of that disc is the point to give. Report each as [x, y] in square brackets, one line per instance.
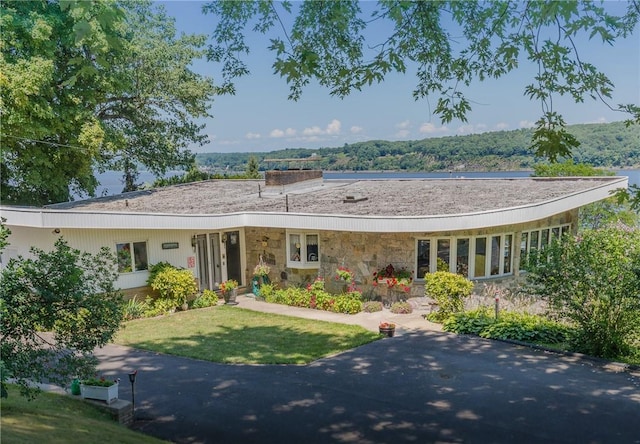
[209, 263]
[234, 262]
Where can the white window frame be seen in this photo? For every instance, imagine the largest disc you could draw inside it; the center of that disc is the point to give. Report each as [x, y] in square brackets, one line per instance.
[453, 254]
[304, 262]
[132, 255]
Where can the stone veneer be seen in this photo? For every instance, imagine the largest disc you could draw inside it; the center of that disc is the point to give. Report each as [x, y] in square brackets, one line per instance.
[365, 253]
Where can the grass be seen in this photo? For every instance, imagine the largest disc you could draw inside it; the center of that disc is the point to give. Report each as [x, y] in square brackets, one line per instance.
[233, 335]
[54, 418]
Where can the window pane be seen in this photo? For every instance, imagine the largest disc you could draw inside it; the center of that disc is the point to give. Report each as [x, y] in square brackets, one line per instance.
[444, 255]
[524, 250]
[295, 248]
[312, 247]
[555, 234]
[496, 244]
[124, 258]
[544, 240]
[140, 255]
[533, 245]
[481, 256]
[507, 254]
[462, 257]
[565, 230]
[424, 257]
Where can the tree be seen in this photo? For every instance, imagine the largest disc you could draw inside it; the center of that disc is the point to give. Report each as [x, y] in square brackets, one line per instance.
[450, 44]
[70, 295]
[593, 281]
[252, 170]
[88, 85]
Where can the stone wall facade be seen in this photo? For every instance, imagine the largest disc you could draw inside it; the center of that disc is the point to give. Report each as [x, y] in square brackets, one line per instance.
[366, 253]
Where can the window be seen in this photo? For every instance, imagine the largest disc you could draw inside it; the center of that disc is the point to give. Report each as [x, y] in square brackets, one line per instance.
[480, 257]
[537, 240]
[462, 257]
[424, 258]
[132, 256]
[444, 255]
[303, 250]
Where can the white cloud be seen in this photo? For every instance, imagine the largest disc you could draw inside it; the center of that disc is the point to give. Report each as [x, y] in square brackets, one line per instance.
[356, 129]
[253, 136]
[430, 128]
[290, 132]
[313, 131]
[402, 134]
[276, 133]
[403, 125]
[502, 126]
[334, 127]
[526, 124]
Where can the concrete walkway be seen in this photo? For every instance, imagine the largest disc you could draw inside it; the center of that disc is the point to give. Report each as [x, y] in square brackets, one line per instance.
[422, 386]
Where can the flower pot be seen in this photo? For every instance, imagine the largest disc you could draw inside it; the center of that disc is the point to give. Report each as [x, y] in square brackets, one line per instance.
[107, 394]
[230, 297]
[387, 331]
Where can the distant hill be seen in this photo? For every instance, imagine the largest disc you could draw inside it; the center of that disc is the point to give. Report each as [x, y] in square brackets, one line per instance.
[606, 145]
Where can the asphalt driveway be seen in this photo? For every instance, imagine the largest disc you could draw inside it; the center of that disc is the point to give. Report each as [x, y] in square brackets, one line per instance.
[419, 387]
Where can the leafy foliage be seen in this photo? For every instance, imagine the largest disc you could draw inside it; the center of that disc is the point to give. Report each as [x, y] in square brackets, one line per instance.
[314, 296]
[568, 169]
[175, 286]
[401, 308]
[593, 281]
[94, 84]
[205, 299]
[372, 306]
[448, 290]
[68, 293]
[346, 46]
[509, 325]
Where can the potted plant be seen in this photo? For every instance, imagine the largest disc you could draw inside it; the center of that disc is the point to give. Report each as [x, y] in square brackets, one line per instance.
[229, 290]
[394, 278]
[387, 328]
[99, 388]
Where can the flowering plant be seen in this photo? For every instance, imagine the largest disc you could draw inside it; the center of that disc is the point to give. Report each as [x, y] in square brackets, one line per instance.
[393, 277]
[228, 285]
[261, 270]
[99, 382]
[387, 325]
[344, 274]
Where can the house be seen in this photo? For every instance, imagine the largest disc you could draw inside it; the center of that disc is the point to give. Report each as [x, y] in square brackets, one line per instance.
[305, 227]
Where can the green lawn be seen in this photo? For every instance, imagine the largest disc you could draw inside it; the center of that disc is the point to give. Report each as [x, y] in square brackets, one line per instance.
[234, 335]
[53, 418]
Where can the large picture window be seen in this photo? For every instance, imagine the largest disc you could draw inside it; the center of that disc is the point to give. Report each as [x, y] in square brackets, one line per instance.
[472, 257]
[303, 250]
[538, 239]
[132, 256]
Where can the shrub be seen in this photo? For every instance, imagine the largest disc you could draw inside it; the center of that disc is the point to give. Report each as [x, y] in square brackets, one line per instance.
[205, 299]
[401, 308]
[593, 280]
[267, 291]
[314, 296]
[158, 307]
[372, 306]
[155, 269]
[448, 290]
[510, 325]
[134, 309]
[175, 286]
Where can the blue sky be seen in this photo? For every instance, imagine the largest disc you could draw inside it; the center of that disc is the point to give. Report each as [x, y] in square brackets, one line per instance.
[260, 118]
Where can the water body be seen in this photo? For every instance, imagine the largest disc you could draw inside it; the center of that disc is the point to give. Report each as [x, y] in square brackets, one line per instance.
[111, 181]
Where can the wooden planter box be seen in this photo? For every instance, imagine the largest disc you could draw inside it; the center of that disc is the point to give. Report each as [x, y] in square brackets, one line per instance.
[107, 394]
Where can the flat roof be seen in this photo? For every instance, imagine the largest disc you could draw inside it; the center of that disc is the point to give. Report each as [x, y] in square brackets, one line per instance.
[381, 197]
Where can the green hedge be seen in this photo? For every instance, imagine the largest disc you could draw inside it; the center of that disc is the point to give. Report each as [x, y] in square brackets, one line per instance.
[315, 297]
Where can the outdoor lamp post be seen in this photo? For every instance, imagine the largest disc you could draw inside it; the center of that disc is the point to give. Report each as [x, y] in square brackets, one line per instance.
[132, 380]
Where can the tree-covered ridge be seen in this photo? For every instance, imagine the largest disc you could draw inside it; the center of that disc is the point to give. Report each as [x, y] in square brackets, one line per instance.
[610, 145]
